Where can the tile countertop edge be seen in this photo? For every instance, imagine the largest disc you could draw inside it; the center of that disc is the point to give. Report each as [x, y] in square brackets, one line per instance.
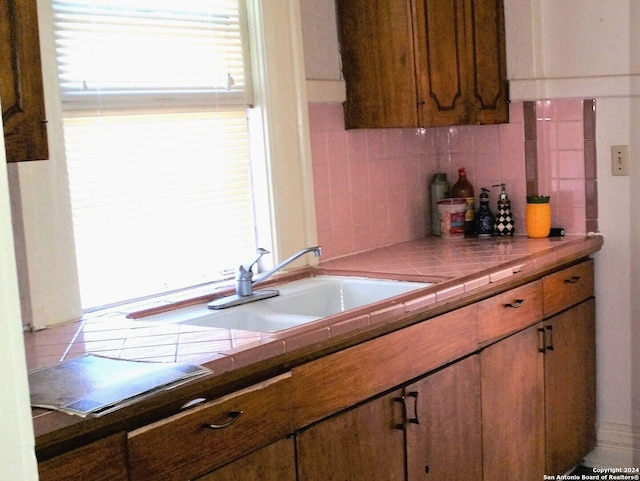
[55, 427]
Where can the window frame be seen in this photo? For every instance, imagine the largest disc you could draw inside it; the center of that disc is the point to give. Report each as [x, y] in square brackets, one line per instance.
[281, 102]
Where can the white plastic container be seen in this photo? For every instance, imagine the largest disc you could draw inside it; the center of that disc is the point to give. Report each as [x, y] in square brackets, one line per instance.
[452, 216]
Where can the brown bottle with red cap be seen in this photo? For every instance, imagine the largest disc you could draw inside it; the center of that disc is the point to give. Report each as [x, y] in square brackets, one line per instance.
[464, 189]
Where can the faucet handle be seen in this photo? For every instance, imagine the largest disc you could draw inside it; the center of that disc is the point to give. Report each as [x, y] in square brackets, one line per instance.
[244, 270]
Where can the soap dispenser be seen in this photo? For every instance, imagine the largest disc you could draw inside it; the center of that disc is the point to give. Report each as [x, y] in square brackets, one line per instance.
[484, 218]
[504, 224]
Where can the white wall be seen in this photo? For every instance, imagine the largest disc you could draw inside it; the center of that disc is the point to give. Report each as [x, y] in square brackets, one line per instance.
[49, 274]
[17, 458]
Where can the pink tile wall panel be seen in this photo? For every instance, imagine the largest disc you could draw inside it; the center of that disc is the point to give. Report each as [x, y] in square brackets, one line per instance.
[561, 161]
[371, 185]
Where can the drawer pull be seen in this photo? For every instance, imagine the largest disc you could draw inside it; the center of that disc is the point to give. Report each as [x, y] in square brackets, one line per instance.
[234, 415]
[572, 280]
[517, 303]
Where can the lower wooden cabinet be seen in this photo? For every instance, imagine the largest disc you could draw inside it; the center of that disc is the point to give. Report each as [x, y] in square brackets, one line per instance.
[444, 437]
[570, 386]
[513, 407]
[203, 438]
[363, 443]
[431, 427]
[275, 462]
[434, 400]
[538, 397]
[104, 460]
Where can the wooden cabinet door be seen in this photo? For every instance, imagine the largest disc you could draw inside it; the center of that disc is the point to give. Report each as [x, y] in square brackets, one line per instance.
[423, 63]
[376, 45]
[443, 66]
[21, 90]
[361, 444]
[512, 376]
[444, 440]
[488, 89]
[570, 386]
[461, 62]
[275, 462]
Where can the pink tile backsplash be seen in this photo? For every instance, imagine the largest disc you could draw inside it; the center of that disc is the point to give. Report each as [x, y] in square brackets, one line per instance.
[561, 161]
[371, 186]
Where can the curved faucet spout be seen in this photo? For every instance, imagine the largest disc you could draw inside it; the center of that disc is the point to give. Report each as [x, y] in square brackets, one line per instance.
[244, 280]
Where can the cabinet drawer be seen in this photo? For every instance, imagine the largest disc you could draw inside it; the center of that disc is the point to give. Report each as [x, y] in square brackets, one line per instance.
[509, 312]
[192, 443]
[567, 287]
[104, 460]
[340, 380]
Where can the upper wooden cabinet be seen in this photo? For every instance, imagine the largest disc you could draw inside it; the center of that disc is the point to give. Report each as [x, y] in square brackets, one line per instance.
[21, 90]
[423, 63]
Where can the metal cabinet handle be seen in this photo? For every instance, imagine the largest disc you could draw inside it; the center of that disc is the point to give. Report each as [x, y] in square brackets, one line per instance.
[401, 426]
[405, 419]
[414, 419]
[572, 280]
[233, 415]
[515, 304]
[549, 346]
[542, 340]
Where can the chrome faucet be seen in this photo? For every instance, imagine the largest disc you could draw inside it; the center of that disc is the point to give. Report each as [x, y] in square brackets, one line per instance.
[245, 282]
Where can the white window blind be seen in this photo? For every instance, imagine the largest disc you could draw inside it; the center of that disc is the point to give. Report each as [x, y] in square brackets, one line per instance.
[125, 53]
[157, 143]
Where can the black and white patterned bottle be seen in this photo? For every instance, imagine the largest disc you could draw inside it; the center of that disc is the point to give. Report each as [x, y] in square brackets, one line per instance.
[504, 224]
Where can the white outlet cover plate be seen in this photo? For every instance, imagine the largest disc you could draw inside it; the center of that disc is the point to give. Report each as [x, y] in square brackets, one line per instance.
[619, 160]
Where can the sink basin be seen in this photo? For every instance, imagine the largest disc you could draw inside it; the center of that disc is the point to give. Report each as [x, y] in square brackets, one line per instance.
[299, 302]
[323, 296]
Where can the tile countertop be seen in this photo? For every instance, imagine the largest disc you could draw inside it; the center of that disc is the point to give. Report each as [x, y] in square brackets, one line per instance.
[459, 267]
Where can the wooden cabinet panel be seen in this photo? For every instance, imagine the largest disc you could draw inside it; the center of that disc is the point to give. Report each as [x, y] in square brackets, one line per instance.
[183, 446]
[509, 312]
[432, 426]
[345, 378]
[377, 63]
[570, 387]
[424, 63]
[445, 439]
[513, 437]
[275, 462]
[488, 59]
[21, 87]
[361, 444]
[442, 62]
[104, 460]
[461, 62]
[567, 287]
